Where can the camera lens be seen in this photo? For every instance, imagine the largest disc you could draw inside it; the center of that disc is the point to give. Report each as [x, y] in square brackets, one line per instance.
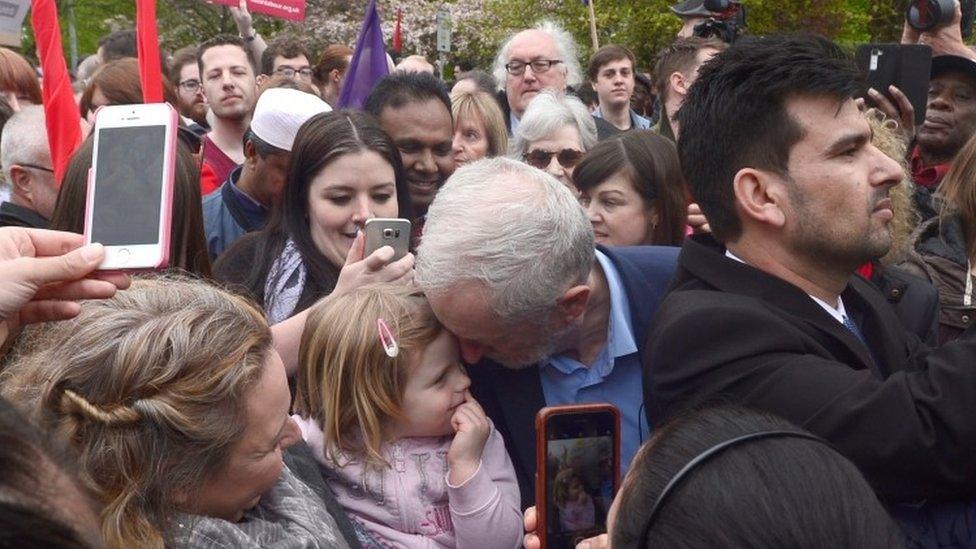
[387, 233]
[716, 6]
[924, 15]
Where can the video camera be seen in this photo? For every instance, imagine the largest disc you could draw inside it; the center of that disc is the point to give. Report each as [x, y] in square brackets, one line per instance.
[729, 20]
[924, 15]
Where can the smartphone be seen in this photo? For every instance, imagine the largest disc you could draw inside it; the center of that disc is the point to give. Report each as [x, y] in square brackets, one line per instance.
[906, 66]
[130, 185]
[577, 471]
[382, 231]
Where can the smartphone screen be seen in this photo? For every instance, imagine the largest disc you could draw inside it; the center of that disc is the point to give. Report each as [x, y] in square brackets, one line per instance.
[128, 185]
[580, 458]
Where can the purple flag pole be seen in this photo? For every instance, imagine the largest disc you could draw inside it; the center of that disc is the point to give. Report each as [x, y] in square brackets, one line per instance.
[368, 64]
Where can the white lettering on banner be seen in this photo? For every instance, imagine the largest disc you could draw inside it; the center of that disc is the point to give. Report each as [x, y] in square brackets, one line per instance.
[275, 5]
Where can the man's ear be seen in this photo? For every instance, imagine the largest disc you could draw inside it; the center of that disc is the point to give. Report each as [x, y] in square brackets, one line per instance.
[573, 303]
[21, 181]
[260, 79]
[761, 196]
[677, 82]
[250, 153]
[335, 75]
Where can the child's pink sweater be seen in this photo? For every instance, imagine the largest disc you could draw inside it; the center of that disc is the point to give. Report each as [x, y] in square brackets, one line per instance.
[412, 505]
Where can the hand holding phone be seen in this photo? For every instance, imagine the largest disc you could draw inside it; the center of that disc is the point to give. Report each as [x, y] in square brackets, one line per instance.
[471, 430]
[130, 188]
[577, 472]
[388, 232]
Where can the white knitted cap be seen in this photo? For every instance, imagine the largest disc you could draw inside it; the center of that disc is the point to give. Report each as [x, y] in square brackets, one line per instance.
[280, 112]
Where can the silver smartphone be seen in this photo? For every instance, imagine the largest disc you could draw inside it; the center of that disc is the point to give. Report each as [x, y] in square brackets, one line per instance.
[388, 232]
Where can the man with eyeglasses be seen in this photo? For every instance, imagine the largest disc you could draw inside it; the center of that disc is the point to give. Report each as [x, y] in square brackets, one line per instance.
[26, 161]
[184, 74]
[285, 56]
[230, 89]
[540, 58]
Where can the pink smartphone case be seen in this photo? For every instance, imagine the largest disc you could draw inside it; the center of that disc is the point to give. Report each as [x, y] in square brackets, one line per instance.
[166, 212]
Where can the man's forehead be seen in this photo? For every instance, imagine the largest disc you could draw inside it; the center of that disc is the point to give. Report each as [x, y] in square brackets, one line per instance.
[190, 69]
[824, 119]
[416, 118]
[617, 64]
[955, 78]
[298, 61]
[223, 55]
[531, 44]
[463, 309]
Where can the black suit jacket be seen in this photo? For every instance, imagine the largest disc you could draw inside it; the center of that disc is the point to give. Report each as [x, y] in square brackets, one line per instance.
[729, 333]
[511, 398]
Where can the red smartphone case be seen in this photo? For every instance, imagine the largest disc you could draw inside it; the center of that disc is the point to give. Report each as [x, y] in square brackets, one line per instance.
[541, 473]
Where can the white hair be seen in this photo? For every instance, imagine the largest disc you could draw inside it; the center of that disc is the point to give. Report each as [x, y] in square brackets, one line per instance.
[566, 49]
[24, 139]
[548, 113]
[514, 229]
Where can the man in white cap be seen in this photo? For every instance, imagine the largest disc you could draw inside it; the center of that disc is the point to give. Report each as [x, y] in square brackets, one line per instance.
[242, 204]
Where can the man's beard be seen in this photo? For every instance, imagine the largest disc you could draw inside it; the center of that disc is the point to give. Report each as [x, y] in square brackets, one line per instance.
[545, 349]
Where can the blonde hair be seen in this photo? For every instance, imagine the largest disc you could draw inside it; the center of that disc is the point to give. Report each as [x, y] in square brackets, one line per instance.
[561, 484]
[347, 382]
[148, 388]
[959, 193]
[889, 141]
[483, 105]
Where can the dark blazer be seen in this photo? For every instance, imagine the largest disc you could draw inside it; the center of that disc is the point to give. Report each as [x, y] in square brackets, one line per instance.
[729, 333]
[511, 398]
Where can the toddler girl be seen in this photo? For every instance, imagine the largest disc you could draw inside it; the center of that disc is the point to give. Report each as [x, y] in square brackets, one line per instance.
[384, 405]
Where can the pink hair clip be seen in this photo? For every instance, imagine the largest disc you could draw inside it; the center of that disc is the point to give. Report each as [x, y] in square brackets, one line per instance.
[387, 339]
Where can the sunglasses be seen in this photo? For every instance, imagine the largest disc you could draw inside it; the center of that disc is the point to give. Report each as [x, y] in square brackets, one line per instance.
[567, 158]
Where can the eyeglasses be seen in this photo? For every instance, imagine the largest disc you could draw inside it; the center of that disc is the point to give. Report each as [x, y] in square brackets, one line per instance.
[567, 158]
[190, 85]
[290, 72]
[516, 68]
[35, 166]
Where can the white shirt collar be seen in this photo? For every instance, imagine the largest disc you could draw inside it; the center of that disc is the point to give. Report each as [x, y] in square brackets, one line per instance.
[839, 313]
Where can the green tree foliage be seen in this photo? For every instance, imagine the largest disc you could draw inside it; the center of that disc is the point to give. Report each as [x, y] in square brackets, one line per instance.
[646, 26]
[480, 25]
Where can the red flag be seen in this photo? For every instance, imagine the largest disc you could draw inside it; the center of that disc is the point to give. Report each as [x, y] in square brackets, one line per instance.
[147, 44]
[397, 35]
[61, 114]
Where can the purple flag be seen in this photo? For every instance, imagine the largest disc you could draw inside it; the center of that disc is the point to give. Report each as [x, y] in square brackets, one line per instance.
[368, 63]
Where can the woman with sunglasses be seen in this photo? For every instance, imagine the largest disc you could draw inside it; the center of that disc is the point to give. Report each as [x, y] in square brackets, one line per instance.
[553, 135]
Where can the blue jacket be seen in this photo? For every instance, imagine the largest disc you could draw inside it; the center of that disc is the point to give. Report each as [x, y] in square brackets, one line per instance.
[225, 218]
[511, 398]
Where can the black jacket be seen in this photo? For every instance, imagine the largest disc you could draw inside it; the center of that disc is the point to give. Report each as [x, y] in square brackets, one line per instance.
[12, 215]
[901, 411]
[916, 302]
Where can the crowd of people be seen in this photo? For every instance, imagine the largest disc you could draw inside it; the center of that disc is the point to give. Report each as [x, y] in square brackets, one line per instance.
[766, 268]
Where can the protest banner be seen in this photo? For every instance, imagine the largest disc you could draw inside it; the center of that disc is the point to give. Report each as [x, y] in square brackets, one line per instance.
[292, 10]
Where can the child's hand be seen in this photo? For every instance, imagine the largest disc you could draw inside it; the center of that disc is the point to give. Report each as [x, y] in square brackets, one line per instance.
[471, 430]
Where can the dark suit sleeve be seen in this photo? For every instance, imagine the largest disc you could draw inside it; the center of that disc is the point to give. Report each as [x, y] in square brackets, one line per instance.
[913, 434]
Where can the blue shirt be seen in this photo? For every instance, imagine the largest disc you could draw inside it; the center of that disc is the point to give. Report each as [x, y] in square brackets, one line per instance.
[613, 377]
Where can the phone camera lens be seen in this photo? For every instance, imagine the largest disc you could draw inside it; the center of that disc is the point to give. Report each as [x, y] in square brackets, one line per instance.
[387, 233]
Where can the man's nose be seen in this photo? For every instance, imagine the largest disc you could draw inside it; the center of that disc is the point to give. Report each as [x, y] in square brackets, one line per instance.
[889, 172]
